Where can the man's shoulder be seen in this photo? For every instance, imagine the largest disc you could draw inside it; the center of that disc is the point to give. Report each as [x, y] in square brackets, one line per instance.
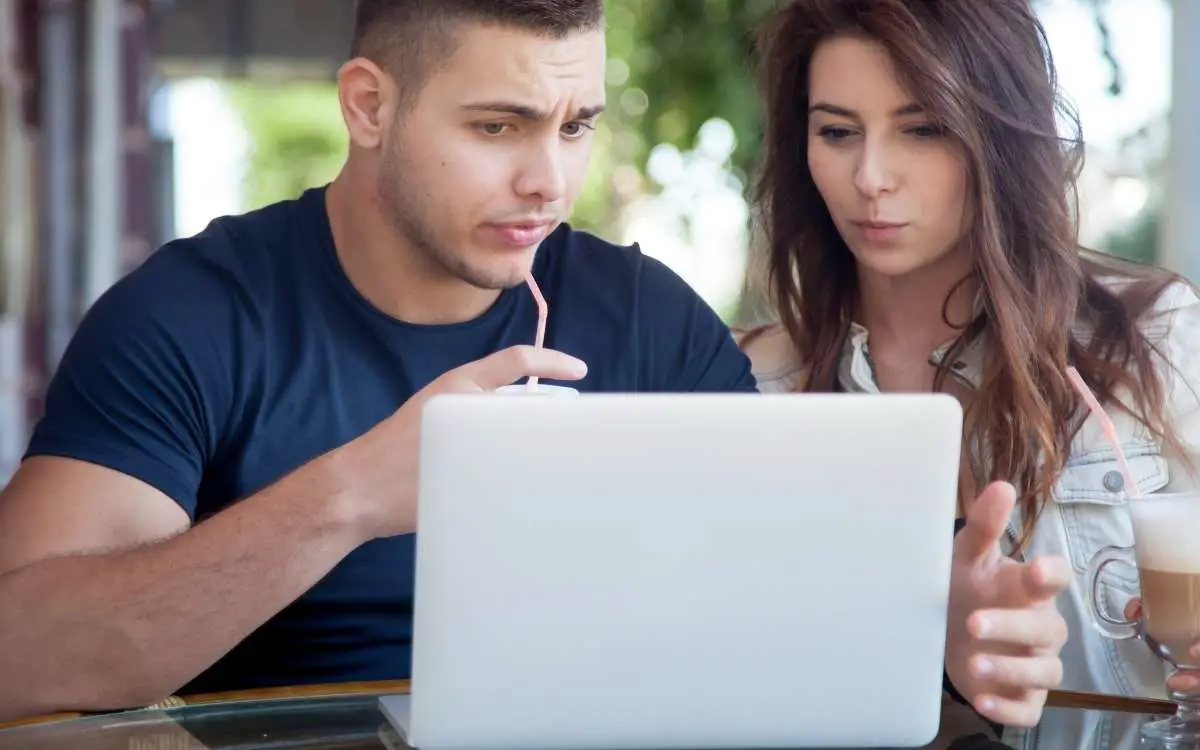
[571, 249]
[618, 292]
[236, 260]
[252, 243]
[577, 257]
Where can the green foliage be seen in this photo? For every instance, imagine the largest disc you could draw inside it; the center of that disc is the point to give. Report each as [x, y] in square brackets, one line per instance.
[1139, 241]
[297, 135]
[677, 64]
[672, 67]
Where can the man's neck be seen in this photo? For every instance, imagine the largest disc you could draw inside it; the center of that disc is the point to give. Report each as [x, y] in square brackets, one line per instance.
[387, 270]
[904, 315]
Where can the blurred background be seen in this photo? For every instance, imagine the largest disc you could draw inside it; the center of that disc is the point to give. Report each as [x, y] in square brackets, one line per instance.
[126, 123]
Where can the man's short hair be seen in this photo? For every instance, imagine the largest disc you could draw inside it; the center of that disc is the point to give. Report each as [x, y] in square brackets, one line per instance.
[410, 38]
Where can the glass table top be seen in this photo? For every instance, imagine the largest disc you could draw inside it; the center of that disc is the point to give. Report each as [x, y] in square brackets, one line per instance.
[343, 719]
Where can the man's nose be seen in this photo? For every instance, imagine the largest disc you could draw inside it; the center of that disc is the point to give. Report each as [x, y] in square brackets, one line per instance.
[541, 177]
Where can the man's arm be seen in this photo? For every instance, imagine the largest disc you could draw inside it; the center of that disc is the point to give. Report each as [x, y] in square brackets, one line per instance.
[108, 597]
[686, 345]
[86, 626]
[99, 611]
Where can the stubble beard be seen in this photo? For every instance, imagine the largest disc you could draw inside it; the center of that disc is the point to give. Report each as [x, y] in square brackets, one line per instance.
[410, 213]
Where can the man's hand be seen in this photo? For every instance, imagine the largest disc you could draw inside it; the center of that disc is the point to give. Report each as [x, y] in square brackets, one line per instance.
[1185, 680]
[1004, 633]
[377, 472]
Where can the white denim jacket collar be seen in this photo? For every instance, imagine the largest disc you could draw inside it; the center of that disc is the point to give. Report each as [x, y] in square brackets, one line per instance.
[1087, 510]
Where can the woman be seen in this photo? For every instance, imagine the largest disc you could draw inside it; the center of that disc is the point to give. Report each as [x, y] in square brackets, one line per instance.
[917, 201]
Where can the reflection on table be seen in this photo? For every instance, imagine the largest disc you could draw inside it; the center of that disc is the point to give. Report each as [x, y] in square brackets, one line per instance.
[318, 717]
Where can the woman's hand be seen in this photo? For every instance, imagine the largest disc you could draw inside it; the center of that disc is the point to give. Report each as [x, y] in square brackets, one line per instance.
[1005, 632]
[1185, 680]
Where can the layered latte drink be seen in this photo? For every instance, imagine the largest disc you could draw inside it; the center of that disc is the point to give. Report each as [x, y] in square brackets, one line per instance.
[1168, 556]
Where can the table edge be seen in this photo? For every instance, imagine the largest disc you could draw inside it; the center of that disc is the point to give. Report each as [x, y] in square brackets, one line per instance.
[1056, 699]
[286, 692]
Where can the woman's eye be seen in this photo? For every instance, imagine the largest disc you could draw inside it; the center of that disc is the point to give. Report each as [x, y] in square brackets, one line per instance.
[835, 133]
[926, 131]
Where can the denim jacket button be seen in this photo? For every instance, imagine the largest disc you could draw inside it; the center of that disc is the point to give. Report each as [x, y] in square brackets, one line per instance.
[1114, 481]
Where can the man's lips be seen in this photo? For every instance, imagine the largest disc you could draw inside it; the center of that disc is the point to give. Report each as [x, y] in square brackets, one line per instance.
[520, 233]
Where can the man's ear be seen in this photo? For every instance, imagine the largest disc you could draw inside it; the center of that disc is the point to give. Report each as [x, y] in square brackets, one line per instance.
[367, 96]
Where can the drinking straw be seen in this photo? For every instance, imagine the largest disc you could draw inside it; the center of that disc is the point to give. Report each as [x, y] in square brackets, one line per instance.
[543, 313]
[1106, 424]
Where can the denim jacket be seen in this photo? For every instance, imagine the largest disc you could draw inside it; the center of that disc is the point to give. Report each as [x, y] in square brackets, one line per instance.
[1087, 511]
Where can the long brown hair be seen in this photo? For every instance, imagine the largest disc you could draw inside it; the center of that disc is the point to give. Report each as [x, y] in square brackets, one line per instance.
[983, 70]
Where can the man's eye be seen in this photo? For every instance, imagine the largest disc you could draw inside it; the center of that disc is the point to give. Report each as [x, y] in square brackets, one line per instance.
[577, 129]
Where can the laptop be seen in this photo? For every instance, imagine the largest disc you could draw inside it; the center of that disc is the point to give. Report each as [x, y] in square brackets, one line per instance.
[671, 571]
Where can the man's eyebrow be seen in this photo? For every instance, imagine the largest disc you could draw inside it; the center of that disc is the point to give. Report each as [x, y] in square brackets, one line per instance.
[526, 112]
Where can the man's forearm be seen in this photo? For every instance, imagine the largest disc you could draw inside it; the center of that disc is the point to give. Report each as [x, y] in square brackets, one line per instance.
[127, 628]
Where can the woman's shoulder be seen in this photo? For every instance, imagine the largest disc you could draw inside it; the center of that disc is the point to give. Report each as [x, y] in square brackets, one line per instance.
[773, 357]
[1170, 323]
[1173, 327]
[1171, 318]
[1180, 300]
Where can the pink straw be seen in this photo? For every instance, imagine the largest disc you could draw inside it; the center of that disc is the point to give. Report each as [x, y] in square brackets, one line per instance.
[1106, 424]
[543, 313]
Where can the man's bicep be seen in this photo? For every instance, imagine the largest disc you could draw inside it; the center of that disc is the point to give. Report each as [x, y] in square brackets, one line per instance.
[686, 345]
[58, 506]
[728, 370]
[711, 360]
[144, 389]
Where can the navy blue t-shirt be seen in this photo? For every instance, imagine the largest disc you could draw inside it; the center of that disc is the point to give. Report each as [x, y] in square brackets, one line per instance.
[231, 358]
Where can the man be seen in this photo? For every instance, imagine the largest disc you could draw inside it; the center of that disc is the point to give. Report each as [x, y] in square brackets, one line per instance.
[221, 493]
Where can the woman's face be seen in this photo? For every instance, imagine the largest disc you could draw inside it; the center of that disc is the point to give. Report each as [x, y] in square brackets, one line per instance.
[893, 183]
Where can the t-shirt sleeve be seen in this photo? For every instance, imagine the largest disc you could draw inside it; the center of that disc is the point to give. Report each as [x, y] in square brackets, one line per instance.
[685, 344]
[143, 387]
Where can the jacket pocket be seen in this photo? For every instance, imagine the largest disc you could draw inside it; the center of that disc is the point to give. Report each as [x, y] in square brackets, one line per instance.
[1091, 496]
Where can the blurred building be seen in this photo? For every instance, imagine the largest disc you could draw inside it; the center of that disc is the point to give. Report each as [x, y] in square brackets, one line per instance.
[85, 182]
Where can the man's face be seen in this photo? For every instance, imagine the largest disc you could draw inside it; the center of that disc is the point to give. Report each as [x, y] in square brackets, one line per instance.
[491, 155]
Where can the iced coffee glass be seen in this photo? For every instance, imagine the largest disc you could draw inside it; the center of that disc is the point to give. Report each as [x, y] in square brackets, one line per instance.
[1166, 551]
